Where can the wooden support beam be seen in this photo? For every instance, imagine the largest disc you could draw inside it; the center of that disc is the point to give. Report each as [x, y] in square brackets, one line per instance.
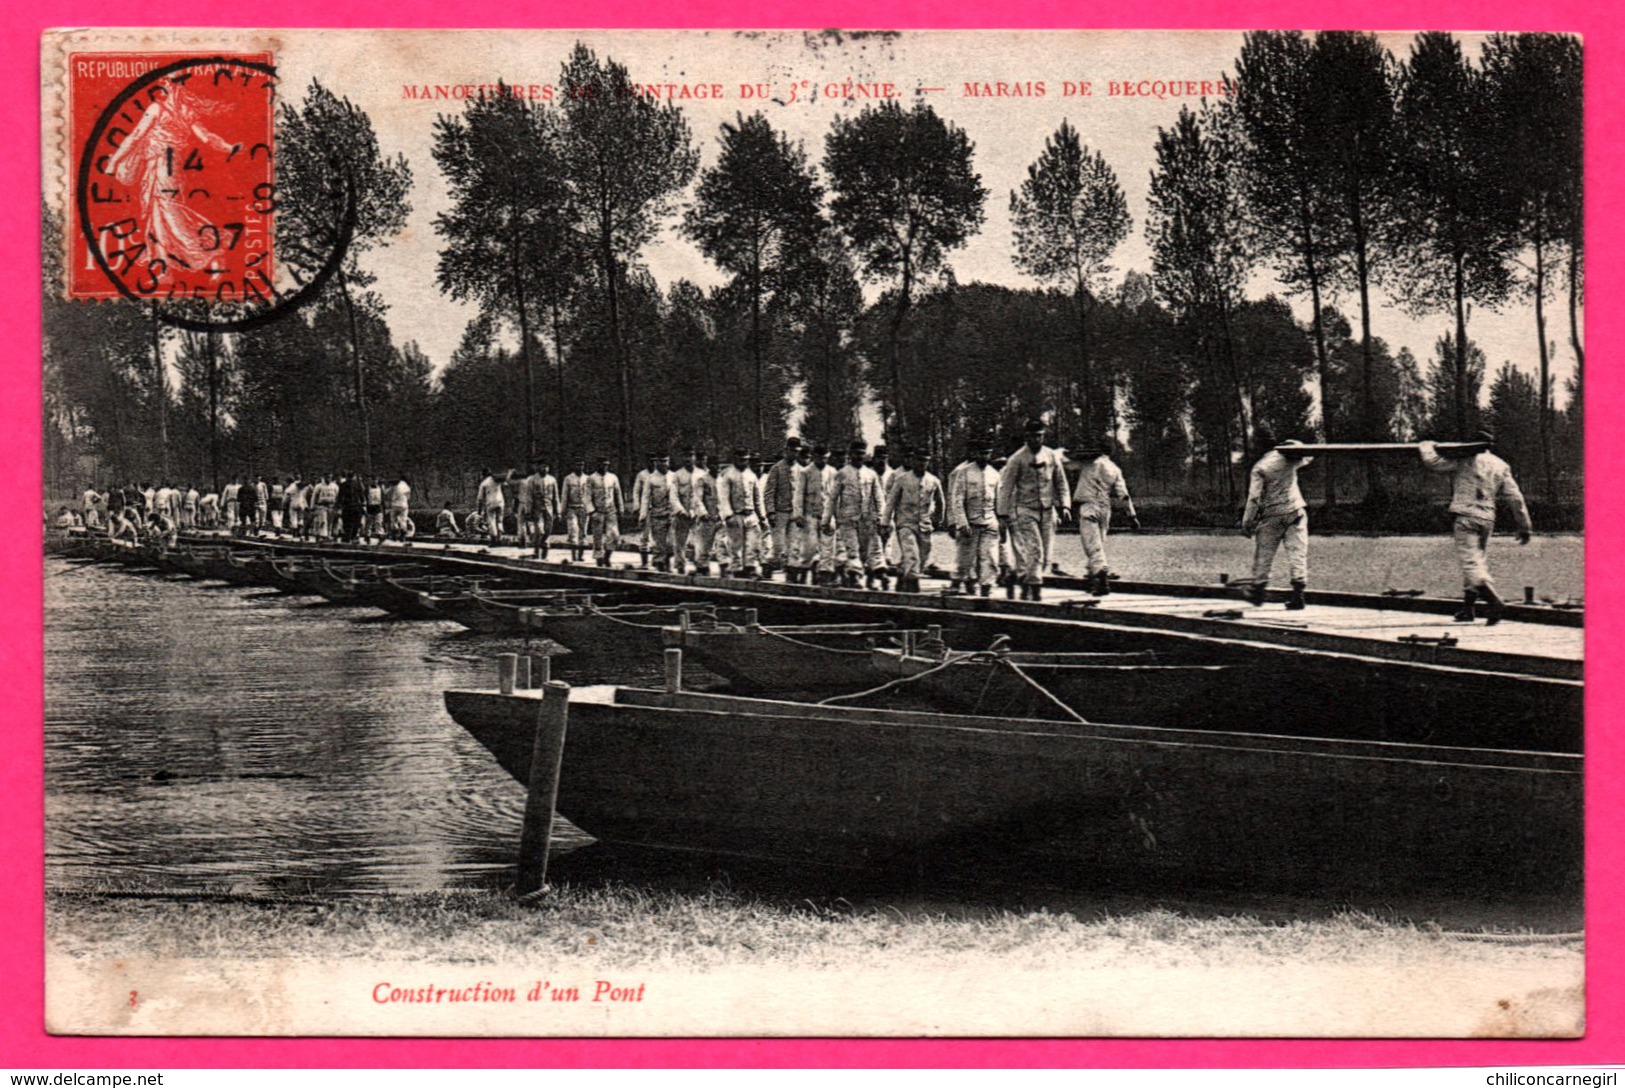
[547, 755]
[1445, 448]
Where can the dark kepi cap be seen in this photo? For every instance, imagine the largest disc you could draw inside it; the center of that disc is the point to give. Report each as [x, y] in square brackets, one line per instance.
[858, 447]
[1035, 426]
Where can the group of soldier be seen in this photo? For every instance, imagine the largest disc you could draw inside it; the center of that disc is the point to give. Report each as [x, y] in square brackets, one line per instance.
[823, 515]
[345, 507]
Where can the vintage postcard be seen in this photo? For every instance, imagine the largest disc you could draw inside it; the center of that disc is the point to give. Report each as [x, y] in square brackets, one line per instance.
[768, 533]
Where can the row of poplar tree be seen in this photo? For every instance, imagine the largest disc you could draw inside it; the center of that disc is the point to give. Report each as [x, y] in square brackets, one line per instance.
[1443, 182]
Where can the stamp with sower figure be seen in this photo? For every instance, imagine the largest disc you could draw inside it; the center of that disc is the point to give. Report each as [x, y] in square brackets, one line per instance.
[174, 189]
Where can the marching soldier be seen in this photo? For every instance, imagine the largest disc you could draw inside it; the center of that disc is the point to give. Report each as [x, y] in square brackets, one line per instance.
[639, 482]
[1032, 488]
[545, 497]
[936, 505]
[853, 512]
[973, 495]
[778, 501]
[661, 503]
[491, 505]
[577, 510]
[606, 504]
[1100, 484]
[1478, 480]
[707, 512]
[907, 512]
[807, 513]
[1276, 515]
[739, 498]
[686, 481]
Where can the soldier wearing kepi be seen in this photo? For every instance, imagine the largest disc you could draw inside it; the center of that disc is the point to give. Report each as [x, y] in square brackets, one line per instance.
[707, 511]
[1479, 479]
[853, 511]
[739, 497]
[577, 510]
[1276, 515]
[778, 501]
[973, 495]
[1100, 484]
[1032, 488]
[907, 511]
[606, 502]
[661, 503]
[639, 482]
[686, 482]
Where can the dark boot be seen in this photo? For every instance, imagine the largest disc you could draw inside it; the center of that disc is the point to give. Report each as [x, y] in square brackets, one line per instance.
[1466, 614]
[1495, 607]
[987, 591]
[1038, 591]
[1295, 603]
[885, 584]
[1255, 594]
[1010, 590]
[1103, 583]
[643, 558]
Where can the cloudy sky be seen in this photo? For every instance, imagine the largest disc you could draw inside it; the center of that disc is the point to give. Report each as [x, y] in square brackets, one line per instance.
[827, 73]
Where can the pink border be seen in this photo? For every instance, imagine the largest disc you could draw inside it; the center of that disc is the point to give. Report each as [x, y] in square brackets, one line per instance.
[23, 1043]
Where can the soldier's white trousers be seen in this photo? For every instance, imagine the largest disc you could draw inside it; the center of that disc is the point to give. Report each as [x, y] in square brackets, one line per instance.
[1029, 540]
[1092, 530]
[1289, 531]
[1472, 538]
[575, 526]
[859, 543]
[744, 540]
[976, 552]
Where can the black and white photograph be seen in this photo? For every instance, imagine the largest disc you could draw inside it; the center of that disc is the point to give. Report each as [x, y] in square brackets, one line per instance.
[828, 533]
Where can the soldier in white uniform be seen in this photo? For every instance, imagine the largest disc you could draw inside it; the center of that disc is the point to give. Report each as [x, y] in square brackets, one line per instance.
[686, 481]
[739, 497]
[778, 503]
[606, 503]
[1100, 485]
[489, 501]
[1276, 515]
[1479, 480]
[400, 510]
[544, 498]
[707, 512]
[639, 482]
[853, 511]
[577, 510]
[973, 495]
[807, 513]
[908, 513]
[661, 504]
[1032, 488]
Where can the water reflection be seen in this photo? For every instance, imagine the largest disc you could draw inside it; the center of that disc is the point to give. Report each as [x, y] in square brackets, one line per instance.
[202, 737]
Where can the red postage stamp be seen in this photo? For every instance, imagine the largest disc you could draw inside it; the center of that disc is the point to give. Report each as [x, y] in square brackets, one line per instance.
[172, 181]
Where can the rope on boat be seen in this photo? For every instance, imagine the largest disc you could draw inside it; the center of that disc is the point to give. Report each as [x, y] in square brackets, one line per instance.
[1042, 690]
[594, 610]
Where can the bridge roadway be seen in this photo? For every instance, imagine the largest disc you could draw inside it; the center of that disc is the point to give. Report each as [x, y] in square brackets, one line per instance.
[1537, 642]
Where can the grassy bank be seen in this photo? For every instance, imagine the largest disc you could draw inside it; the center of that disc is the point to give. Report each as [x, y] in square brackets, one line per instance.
[624, 926]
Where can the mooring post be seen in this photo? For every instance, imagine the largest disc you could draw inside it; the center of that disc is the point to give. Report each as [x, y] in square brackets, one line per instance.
[541, 670]
[908, 643]
[1224, 578]
[507, 669]
[933, 632]
[1528, 594]
[521, 674]
[546, 756]
[750, 617]
[683, 621]
[674, 669]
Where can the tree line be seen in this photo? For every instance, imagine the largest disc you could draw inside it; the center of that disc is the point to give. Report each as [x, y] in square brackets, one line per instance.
[1444, 181]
